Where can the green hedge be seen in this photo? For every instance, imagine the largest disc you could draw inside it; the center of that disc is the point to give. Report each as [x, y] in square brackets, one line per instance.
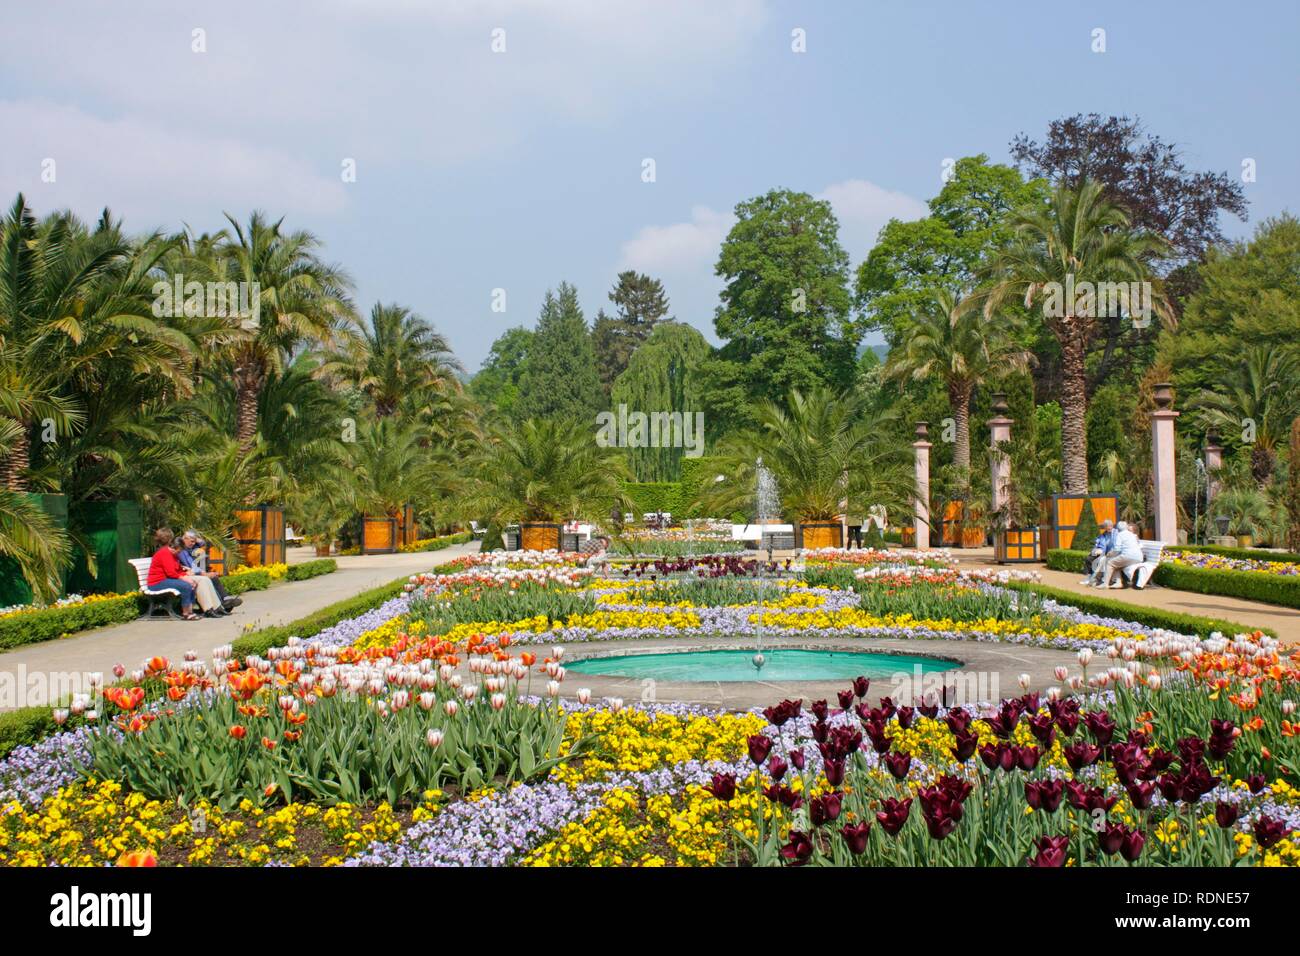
[258, 580]
[311, 569]
[22, 728]
[1246, 554]
[650, 496]
[437, 544]
[1150, 616]
[55, 622]
[1248, 585]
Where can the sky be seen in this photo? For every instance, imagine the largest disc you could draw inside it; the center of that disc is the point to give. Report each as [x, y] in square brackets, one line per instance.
[503, 144]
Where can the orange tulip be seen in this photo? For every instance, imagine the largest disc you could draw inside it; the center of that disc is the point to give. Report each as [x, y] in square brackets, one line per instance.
[158, 664]
[137, 858]
[268, 743]
[238, 732]
[175, 693]
[529, 658]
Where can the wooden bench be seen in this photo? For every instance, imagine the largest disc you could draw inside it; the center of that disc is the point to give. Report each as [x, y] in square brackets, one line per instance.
[160, 599]
[1140, 574]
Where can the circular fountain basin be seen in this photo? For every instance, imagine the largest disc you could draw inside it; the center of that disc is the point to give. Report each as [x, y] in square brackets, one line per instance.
[779, 664]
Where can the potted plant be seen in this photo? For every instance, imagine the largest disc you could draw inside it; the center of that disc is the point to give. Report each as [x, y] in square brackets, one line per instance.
[1247, 510]
[540, 473]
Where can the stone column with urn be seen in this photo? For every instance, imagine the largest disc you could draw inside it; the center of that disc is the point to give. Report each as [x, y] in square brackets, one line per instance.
[1162, 461]
[921, 521]
[1000, 467]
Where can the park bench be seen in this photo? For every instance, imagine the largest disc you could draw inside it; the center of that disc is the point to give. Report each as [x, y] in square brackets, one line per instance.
[160, 599]
[1140, 574]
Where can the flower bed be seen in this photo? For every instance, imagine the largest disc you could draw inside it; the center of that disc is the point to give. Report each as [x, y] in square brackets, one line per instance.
[454, 747]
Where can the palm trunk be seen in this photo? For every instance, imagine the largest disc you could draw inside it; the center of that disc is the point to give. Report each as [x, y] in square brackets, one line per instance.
[13, 470]
[1074, 411]
[248, 389]
[959, 398]
[1293, 499]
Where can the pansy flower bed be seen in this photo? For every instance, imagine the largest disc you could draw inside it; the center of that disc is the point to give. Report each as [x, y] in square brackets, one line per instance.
[418, 734]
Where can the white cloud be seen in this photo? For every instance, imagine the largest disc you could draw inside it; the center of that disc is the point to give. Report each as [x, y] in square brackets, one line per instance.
[681, 247]
[153, 174]
[863, 208]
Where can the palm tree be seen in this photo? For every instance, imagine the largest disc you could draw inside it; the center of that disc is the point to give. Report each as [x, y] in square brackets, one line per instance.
[957, 343]
[392, 466]
[399, 358]
[542, 470]
[1078, 237]
[1263, 394]
[302, 300]
[824, 453]
[28, 536]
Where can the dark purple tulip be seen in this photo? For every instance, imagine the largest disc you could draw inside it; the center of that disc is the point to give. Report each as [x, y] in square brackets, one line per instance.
[893, 814]
[860, 686]
[898, 764]
[783, 713]
[1081, 755]
[797, 758]
[1043, 729]
[1112, 838]
[1160, 760]
[1052, 852]
[957, 719]
[819, 710]
[1225, 814]
[1140, 794]
[1191, 750]
[798, 850]
[1044, 794]
[845, 698]
[1132, 846]
[855, 835]
[1171, 786]
[1270, 832]
[776, 766]
[887, 707]
[1255, 782]
[780, 793]
[760, 745]
[722, 786]
[825, 809]
[964, 744]
[1027, 757]
[834, 770]
[1100, 726]
[1222, 738]
[989, 754]
[904, 715]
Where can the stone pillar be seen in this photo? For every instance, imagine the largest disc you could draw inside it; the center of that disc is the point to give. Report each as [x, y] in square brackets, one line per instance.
[1213, 462]
[999, 432]
[921, 522]
[1162, 461]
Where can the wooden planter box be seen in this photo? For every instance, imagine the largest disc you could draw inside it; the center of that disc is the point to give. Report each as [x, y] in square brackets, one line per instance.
[819, 534]
[407, 530]
[1061, 517]
[1016, 546]
[909, 536]
[973, 537]
[950, 532]
[539, 535]
[323, 549]
[259, 532]
[217, 559]
[378, 534]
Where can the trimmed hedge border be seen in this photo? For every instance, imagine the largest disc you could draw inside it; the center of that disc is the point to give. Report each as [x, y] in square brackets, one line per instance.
[1246, 554]
[55, 622]
[247, 581]
[30, 725]
[437, 544]
[311, 569]
[1247, 585]
[1150, 616]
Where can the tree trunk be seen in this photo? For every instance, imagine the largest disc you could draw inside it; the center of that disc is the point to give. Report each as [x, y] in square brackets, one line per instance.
[1074, 411]
[959, 398]
[249, 380]
[13, 471]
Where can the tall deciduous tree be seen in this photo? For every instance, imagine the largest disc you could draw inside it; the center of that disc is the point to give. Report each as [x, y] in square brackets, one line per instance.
[1080, 237]
[496, 383]
[785, 311]
[559, 379]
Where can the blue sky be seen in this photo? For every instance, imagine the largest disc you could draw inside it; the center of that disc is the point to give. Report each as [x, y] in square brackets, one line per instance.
[479, 170]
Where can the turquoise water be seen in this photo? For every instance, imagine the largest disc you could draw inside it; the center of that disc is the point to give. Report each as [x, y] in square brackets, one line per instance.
[781, 664]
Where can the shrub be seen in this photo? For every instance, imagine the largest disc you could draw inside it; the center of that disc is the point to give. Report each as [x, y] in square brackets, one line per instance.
[311, 569]
[254, 579]
[24, 727]
[1138, 614]
[46, 624]
[1248, 585]
[1246, 554]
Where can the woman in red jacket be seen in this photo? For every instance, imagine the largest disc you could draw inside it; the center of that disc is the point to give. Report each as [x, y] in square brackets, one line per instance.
[165, 571]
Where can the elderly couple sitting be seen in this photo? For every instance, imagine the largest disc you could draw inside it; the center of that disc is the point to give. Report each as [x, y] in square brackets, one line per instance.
[178, 564]
[1115, 549]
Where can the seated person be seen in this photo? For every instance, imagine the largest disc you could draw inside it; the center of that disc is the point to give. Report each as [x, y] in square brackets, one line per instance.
[1094, 565]
[191, 558]
[1125, 552]
[165, 571]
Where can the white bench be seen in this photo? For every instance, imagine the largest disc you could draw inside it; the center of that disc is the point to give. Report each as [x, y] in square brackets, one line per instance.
[1140, 574]
[160, 599]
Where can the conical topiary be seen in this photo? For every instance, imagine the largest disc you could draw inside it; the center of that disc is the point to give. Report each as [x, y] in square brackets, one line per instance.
[1085, 533]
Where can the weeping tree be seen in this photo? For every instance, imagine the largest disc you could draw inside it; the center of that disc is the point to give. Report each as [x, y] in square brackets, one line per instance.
[663, 376]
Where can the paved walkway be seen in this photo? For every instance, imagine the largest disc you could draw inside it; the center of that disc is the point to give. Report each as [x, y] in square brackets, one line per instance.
[132, 643]
[1285, 621]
